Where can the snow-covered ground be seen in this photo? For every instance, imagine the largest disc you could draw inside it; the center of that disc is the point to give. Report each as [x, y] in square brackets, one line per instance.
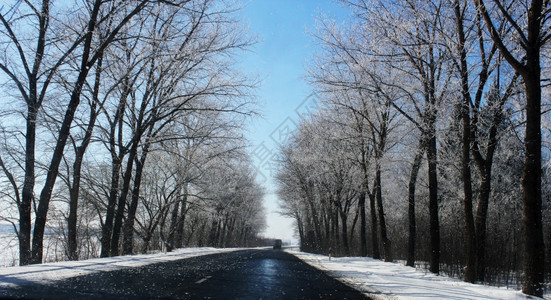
[15, 276]
[383, 280]
[378, 279]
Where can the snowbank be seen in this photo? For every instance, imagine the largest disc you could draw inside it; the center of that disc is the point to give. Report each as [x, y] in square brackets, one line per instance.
[383, 280]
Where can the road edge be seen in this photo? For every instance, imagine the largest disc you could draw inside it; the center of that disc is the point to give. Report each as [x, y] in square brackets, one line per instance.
[316, 263]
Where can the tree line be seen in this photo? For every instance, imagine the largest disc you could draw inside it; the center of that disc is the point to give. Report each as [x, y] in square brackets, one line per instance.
[429, 139]
[122, 126]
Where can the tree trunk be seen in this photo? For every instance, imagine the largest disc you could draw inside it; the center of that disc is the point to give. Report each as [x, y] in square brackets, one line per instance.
[300, 229]
[470, 243]
[387, 247]
[116, 164]
[53, 170]
[534, 266]
[121, 204]
[470, 268]
[530, 70]
[146, 241]
[128, 228]
[28, 189]
[434, 260]
[223, 232]
[353, 227]
[107, 229]
[480, 222]
[361, 203]
[411, 203]
[485, 168]
[346, 246]
[363, 225]
[179, 237]
[212, 234]
[316, 223]
[170, 243]
[374, 229]
[33, 105]
[72, 242]
[334, 247]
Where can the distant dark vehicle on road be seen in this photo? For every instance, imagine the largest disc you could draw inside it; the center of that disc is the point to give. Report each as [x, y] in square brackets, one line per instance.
[277, 244]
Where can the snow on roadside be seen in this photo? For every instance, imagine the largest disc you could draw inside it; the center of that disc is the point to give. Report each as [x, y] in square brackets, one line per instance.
[15, 276]
[383, 280]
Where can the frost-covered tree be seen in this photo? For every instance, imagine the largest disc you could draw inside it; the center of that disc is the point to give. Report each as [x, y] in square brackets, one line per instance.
[347, 78]
[521, 47]
[438, 65]
[58, 34]
[485, 88]
[141, 67]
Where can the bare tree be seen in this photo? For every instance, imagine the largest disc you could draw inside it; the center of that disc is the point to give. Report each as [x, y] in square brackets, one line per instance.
[484, 67]
[32, 74]
[189, 68]
[39, 77]
[349, 79]
[530, 24]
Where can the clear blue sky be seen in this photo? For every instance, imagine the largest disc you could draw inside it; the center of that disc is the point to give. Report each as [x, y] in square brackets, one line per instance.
[286, 45]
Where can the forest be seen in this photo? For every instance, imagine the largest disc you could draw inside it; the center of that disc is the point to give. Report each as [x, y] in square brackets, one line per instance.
[431, 143]
[122, 127]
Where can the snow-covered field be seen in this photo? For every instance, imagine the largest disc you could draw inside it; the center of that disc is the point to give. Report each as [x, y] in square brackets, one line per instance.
[383, 280]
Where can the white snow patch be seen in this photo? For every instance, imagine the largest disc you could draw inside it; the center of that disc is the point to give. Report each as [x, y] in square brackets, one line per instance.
[43, 273]
[9, 250]
[382, 280]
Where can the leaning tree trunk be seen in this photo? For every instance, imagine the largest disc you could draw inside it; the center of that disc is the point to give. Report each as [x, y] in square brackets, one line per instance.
[128, 228]
[72, 243]
[121, 204]
[116, 164]
[53, 170]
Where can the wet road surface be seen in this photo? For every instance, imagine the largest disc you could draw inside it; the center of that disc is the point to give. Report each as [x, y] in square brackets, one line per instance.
[248, 274]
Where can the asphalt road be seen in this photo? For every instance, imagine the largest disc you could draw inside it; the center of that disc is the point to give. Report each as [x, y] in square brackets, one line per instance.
[249, 274]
